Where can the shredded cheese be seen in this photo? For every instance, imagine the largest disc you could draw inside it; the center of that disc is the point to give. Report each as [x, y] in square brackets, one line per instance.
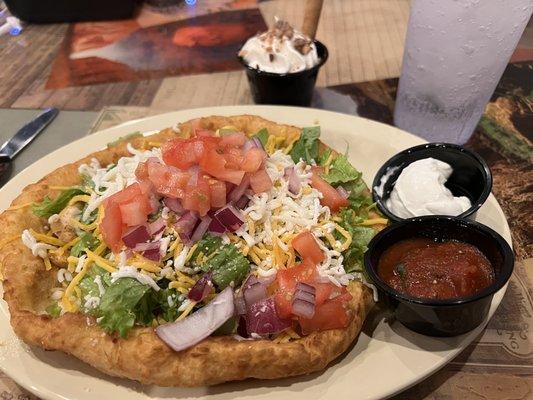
[187, 311]
[48, 239]
[374, 221]
[100, 261]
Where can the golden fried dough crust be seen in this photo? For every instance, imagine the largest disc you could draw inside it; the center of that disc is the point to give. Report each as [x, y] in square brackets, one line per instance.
[143, 356]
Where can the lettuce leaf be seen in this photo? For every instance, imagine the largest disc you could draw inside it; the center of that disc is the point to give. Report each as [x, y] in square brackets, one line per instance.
[87, 241]
[306, 147]
[361, 236]
[262, 135]
[122, 304]
[225, 261]
[49, 207]
[341, 171]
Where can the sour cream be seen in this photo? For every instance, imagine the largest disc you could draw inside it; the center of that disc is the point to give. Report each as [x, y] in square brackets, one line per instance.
[420, 190]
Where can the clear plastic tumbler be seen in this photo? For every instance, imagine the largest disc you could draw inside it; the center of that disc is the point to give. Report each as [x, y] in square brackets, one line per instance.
[455, 53]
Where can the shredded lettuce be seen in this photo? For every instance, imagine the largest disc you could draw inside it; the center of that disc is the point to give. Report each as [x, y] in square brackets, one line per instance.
[87, 241]
[49, 207]
[226, 262]
[361, 236]
[324, 156]
[306, 147]
[122, 305]
[262, 135]
[341, 171]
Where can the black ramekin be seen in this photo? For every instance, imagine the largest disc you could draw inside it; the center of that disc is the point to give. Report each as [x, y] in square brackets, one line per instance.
[294, 89]
[441, 317]
[471, 175]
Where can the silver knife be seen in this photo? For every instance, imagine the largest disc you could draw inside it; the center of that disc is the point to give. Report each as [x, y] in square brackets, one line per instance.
[27, 133]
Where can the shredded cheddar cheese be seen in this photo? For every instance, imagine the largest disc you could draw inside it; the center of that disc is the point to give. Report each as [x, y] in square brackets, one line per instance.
[100, 261]
[48, 239]
[187, 311]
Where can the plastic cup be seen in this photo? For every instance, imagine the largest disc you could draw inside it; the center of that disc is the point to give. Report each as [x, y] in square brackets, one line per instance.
[294, 88]
[455, 53]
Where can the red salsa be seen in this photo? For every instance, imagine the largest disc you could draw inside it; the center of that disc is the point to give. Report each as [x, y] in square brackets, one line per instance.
[435, 270]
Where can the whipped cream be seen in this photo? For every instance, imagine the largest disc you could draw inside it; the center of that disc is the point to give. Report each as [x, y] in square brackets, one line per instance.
[420, 190]
[281, 49]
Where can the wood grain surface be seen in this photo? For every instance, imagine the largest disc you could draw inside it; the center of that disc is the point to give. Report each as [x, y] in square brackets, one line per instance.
[364, 38]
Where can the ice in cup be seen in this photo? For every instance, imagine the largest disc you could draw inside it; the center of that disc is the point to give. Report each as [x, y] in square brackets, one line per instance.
[455, 53]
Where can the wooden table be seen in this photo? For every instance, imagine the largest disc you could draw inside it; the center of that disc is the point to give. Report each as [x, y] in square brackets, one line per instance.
[365, 40]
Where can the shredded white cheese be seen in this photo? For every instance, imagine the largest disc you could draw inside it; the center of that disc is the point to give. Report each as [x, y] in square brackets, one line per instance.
[108, 182]
[131, 272]
[38, 249]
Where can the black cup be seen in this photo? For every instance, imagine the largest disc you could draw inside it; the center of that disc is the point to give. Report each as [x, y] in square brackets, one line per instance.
[471, 175]
[441, 317]
[292, 89]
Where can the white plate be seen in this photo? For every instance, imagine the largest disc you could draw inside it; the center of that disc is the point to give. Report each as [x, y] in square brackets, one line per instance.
[383, 362]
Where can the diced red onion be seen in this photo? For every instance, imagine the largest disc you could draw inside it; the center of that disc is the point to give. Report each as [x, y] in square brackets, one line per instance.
[240, 305]
[181, 335]
[239, 190]
[303, 308]
[201, 229]
[139, 247]
[185, 225]
[300, 295]
[343, 192]
[152, 254]
[216, 227]
[174, 205]
[242, 202]
[201, 288]
[255, 293]
[263, 319]
[229, 217]
[157, 226]
[304, 287]
[294, 180]
[252, 143]
[303, 303]
[135, 235]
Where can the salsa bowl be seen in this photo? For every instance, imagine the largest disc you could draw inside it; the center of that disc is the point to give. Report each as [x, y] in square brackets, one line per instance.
[437, 317]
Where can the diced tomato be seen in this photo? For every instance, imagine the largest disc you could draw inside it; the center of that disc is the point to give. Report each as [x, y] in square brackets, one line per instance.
[168, 181]
[132, 213]
[307, 247]
[252, 160]
[111, 225]
[198, 197]
[217, 190]
[260, 181]
[332, 314]
[323, 291]
[286, 280]
[236, 139]
[142, 171]
[214, 164]
[184, 153]
[234, 158]
[331, 198]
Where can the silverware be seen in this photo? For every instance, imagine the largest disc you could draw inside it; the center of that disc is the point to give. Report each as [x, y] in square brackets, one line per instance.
[22, 138]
